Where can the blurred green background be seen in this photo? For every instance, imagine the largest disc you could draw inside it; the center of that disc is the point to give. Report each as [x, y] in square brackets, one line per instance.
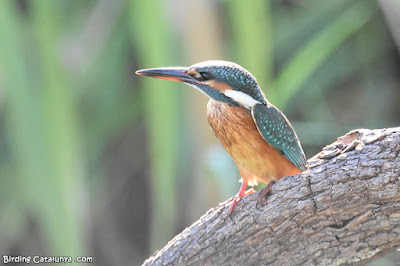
[96, 161]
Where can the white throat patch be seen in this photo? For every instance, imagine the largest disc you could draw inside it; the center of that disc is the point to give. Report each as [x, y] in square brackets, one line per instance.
[242, 98]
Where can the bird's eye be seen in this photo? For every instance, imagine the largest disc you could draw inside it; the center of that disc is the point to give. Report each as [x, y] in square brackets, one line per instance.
[204, 76]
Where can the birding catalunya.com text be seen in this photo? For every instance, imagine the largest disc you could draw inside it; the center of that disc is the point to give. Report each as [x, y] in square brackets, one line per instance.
[46, 259]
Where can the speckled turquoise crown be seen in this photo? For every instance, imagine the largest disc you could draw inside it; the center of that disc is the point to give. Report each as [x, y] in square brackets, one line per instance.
[232, 74]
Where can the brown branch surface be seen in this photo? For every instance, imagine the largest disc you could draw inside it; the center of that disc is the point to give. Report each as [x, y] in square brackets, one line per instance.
[345, 209]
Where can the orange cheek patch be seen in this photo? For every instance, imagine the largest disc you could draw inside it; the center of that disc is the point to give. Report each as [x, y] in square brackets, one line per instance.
[220, 86]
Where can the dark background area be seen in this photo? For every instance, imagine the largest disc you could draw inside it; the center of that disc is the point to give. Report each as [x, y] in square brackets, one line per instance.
[96, 161]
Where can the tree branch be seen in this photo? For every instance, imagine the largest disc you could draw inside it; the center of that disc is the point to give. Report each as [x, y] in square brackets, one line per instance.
[344, 209]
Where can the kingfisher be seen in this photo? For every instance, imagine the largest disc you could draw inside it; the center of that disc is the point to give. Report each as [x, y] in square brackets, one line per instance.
[255, 133]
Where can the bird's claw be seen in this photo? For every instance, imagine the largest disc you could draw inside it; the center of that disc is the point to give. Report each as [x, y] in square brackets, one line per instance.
[261, 200]
[249, 191]
[237, 198]
[261, 197]
[233, 206]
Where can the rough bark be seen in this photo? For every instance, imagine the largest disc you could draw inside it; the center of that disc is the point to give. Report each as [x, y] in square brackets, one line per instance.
[345, 209]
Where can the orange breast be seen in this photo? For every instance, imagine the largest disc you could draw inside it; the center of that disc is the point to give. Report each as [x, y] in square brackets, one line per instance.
[255, 158]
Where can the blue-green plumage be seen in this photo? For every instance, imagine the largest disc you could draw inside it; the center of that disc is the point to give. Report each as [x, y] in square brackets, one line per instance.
[275, 128]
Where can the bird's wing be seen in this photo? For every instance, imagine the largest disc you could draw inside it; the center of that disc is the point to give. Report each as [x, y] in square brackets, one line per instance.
[276, 129]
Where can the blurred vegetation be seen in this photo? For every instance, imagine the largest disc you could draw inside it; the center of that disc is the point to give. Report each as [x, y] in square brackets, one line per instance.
[95, 161]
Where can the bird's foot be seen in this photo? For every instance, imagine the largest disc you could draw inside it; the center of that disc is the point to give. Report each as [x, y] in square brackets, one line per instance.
[249, 191]
[264, 192]
[238, 197]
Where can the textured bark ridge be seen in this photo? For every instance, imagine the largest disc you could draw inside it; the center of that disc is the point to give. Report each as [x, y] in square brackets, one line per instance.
[345, 209]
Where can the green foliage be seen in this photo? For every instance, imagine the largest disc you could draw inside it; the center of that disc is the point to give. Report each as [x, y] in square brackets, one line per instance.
[318, 49]
[251, 26]
[42, 130]
[161, 99]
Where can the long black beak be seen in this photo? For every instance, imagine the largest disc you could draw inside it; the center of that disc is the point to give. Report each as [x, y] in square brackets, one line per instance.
[168, 73]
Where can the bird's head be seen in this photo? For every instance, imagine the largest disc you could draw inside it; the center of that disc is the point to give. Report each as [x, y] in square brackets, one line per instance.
[220, 80]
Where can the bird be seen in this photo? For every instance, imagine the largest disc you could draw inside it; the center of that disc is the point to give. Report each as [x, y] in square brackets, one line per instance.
[255, 133]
